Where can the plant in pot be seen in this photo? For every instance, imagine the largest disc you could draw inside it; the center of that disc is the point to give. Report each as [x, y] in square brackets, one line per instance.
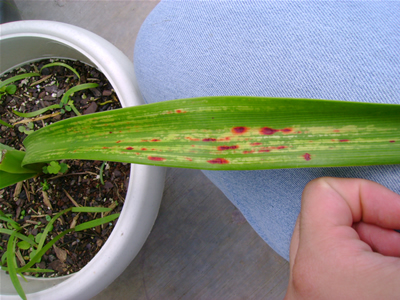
[26, 41]
[227, 133]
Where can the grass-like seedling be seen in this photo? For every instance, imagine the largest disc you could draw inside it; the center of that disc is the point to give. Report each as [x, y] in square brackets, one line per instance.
[37, 245]
[6, 86]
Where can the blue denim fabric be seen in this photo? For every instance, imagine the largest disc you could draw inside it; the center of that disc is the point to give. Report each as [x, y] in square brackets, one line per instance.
[323, 50]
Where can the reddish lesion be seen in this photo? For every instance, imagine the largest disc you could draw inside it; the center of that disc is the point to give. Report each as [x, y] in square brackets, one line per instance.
[271, 131]
[156, 158]
[240, 130]
[220, 161]
[221, 148]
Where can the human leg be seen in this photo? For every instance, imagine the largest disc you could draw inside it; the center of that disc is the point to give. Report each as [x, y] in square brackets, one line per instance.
[323, 50]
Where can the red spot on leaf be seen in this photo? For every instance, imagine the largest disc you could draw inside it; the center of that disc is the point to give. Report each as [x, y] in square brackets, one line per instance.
[221, 148]
[255, 144]
[392, 141]
[343, 141]
[307, 156]
[248, 152]
[143, 149]
[287, 130]
[118, 142]
[239, 130]
[224, 139]
[336, 130]
[178, 111]
[209, 140]
[188, 158]
[220, 161]
[268, 131]
[281, 147]
[110, 132]
[155, 140]
[129, 148]
[105, 147]
[263, 150]
[192, 139]
[156, 158]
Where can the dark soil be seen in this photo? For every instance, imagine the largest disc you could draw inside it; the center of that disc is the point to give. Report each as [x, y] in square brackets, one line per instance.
[80, 185]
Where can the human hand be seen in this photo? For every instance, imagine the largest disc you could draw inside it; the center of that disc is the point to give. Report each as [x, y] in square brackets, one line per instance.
[343, 245]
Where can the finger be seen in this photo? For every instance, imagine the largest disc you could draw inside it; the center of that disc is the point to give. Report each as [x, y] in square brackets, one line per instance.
[369, 201]
[381, 240]
[338, 201]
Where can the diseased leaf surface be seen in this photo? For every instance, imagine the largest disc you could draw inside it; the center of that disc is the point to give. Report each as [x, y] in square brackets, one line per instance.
[228, 133]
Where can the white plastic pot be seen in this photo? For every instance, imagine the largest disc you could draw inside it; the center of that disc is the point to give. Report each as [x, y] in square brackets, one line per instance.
[26, 41]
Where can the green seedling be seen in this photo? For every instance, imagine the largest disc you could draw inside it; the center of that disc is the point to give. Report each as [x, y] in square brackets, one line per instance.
[101, 172]
[6, 86]
[60, 64]
[25, 130]
[55, 167]
[37, 244]
[65, 104]
[45, 185]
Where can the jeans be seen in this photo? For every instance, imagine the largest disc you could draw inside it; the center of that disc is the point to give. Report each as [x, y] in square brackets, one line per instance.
[324, 50]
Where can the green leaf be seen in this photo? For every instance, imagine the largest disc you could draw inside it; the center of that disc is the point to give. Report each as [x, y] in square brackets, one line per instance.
[61, 65]
[23, 245]
[38, 237]
[97, 222]
[16, 78]
[228, 133]
[87, 209]
[11, 160]
[12, 266]
[53, 167]
[63, 168]
[11, 89]
[7, 179]
[67, 94]
[40, 253]
[37, 112]
[5, 124]
[13, 224]
[11, 170]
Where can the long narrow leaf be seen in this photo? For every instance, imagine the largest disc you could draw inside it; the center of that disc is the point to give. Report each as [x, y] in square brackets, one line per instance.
[11, 160]
[12, 223]
[55, 64]
[228, 133]
[48, 227]
[7, 179]
[12, 265]
[84, 86]
[16, 78]
[5, 124]
[18, 235]
[87, 209]
[36, 112]
[97, 222]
